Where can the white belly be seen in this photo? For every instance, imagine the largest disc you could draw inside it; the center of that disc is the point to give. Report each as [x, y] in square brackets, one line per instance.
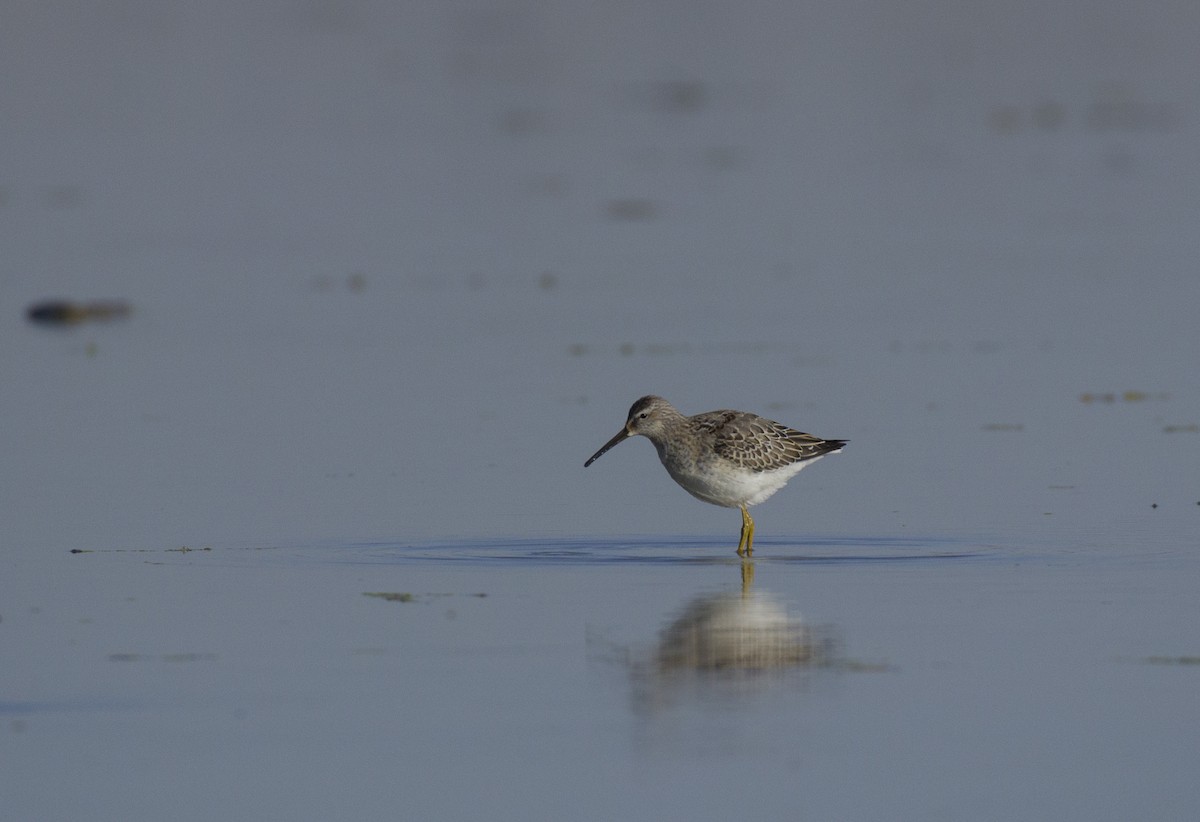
[735, 487]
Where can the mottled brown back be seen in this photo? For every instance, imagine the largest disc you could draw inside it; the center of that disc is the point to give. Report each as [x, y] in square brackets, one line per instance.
[759, 444]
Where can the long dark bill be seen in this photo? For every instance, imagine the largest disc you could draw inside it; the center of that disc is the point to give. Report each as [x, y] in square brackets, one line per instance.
[621, 436]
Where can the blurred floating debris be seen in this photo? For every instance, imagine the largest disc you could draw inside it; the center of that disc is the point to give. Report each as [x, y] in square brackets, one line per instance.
[1004, 119]
[183, 549]
[1171, 660]
[1124, 396]
[1045, 115]
[391, 597]
[680, 96]
[1049, 115]
[1113, 109]
[1190, 428]
[548, 281]
[1120, 109]
[354, 282]
[722, 158]
[854, 666]
[631, 209]
[65, 312]
[1004, 426]
[405, 596]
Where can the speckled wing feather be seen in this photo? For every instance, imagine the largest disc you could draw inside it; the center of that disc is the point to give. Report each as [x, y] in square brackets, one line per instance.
[759, 444]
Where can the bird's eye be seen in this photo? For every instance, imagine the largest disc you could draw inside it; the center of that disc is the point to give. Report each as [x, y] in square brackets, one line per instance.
[643, 415]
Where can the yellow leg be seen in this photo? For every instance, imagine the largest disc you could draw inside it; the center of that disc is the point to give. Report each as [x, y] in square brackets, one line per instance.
[746, 542]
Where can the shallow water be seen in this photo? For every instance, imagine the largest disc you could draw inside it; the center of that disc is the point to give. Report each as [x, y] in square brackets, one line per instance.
[306, 533]
[322, 680]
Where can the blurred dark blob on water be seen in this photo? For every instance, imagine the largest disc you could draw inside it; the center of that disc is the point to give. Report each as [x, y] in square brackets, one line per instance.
[65, 312]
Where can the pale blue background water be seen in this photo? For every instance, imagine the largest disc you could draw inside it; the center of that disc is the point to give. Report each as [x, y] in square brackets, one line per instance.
[398, 270]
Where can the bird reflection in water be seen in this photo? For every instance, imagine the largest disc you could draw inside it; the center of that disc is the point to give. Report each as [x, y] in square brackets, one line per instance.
[746, 631]
[722, 646]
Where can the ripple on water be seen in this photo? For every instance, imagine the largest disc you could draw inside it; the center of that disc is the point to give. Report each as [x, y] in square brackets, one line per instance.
[668, 550]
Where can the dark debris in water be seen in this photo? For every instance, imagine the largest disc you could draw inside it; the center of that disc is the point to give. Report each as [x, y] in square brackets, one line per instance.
[391, 596]
[1172, 660]
[182, 549]
[405, 596]
[631, 209]
[1131, 395]
[65, 312]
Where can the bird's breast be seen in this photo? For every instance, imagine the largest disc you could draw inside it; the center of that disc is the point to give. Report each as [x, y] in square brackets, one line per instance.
[721, 482]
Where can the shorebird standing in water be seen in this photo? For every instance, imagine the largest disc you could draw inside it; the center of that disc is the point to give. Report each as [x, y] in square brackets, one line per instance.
[734, 459]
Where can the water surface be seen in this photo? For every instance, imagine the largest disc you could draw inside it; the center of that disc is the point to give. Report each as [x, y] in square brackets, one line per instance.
[306, 534]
